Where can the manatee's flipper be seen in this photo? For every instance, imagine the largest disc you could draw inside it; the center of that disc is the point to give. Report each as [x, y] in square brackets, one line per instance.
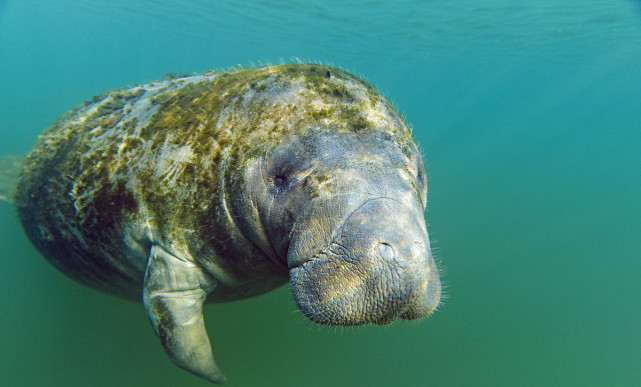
[10, 168]
[173, 294]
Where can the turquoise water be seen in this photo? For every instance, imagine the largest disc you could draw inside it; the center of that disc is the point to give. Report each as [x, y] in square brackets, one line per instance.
[529, 115]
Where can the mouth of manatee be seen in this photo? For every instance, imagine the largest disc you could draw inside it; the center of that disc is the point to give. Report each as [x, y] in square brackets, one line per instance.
[375, 269]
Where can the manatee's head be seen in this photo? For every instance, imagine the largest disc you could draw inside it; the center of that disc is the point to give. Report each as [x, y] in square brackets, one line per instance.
[339, 198]
[346, 212]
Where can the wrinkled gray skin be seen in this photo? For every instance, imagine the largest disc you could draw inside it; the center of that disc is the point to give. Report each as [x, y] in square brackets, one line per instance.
[358, 250]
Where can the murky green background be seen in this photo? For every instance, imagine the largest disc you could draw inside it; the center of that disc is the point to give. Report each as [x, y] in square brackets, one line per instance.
[529, 114]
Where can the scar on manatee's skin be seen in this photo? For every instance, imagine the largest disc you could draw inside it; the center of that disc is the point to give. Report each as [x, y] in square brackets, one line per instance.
[220, 186]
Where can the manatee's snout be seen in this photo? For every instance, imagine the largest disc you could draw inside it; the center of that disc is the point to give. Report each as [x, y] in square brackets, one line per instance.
[377, 268]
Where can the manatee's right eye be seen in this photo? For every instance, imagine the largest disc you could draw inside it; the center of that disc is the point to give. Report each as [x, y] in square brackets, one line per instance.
[284, 166]
[280, 181]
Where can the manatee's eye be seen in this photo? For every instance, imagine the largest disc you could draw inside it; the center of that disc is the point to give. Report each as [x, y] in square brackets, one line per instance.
[280, 181]
[420, 175]
[421, 179]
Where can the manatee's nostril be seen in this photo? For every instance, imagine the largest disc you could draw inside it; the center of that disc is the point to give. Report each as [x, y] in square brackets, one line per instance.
[385, 251]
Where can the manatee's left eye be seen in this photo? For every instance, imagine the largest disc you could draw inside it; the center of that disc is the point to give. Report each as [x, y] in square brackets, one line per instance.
[420, 175]
[421, 179]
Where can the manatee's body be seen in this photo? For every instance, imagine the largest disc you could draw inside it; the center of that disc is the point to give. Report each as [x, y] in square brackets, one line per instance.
[222, 186]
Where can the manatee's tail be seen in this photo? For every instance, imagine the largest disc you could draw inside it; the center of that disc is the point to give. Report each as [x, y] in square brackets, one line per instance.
[10, 168]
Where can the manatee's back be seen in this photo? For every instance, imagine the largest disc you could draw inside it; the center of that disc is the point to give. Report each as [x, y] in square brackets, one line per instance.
[132, 166]
[69, 209]
[87, 185]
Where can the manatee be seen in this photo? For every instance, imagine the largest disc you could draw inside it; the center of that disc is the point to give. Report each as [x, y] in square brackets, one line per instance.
[220, 186]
